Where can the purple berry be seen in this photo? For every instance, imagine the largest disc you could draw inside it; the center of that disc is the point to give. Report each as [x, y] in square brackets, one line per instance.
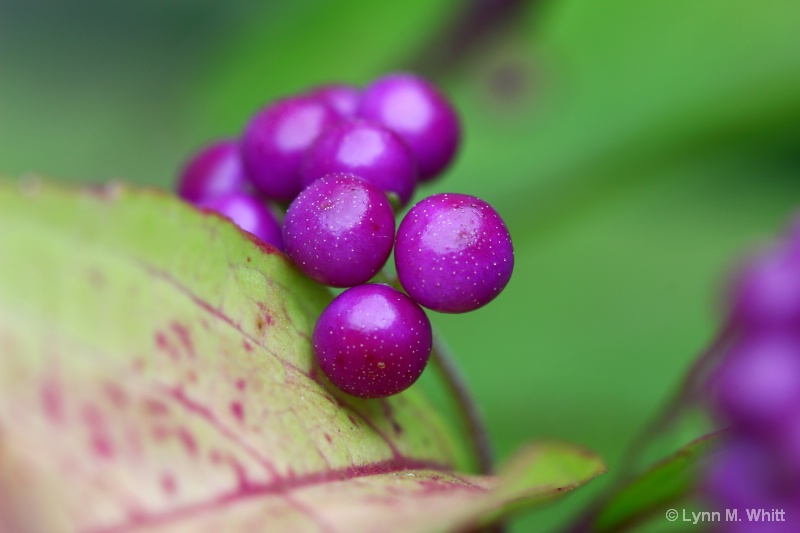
[276, 139]
[342, 98]
[339, 230]
[372, 341]
[419, 114]
[743, 474]
[766, 293]
[759, 382]
[453, 253]
[367, 150]
[213, 171]
[250, 214]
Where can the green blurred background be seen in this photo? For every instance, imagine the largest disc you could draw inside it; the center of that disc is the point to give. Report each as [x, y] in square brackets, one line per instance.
[636, 149]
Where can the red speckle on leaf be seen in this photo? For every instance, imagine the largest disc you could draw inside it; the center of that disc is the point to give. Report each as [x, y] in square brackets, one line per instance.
[240, 384]
[168, 484]
[160, 433]
[187, 440]
[53, 400]
[156, 407]
[191, 376]
[265, 311]
[98, 432]
[238, 411]
[215, 457]
[263, 246]
[102, 447]
[247, 346]
[352, 420]
[116, 395]
[185, 337]
[328, 438]
[163, 344]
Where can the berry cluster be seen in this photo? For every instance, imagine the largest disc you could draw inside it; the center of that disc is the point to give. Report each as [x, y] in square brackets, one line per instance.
[344, 160]
[756, 390]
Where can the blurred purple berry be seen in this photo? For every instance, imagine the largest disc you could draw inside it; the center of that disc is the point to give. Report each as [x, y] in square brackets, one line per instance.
[340, 230]
[276, 139]
[766, 292]
[367, 150]
[344, 99]
[372, 341]
[453, 253]
[759, 383]
[743, 475]
[213, 171]
[250, 214]
[419, 114]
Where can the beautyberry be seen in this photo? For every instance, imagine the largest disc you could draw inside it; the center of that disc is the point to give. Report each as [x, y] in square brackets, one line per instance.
[250, 214]
[453, 253]
[213, 171]
[342, 98]
[276, 139]
[368, 150]
[759, 384]
[766, 294]
[339, 230]
[419, 114]
[372, 341]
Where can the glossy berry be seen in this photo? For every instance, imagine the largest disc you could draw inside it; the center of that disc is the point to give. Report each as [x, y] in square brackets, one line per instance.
[276, 139]
[367, 150]
[419, 114]
[344, 99]
[453, 253]
[213, 171]
[339, 230]
[250, 214]
[372, 341]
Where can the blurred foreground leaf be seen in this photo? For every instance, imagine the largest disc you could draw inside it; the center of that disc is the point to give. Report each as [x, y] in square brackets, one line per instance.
[156, 374]
[665, 483]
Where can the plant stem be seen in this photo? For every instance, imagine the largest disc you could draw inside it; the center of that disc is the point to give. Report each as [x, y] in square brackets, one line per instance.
[468, 409]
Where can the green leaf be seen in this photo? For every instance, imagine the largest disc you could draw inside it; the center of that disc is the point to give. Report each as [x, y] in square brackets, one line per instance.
[156, 374]
[664, 483]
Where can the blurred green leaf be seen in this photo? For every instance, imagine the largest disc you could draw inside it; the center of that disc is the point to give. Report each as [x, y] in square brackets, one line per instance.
[147, 382]
[654, 490]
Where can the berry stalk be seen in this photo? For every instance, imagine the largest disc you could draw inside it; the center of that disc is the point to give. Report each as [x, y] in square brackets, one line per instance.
[471, 415]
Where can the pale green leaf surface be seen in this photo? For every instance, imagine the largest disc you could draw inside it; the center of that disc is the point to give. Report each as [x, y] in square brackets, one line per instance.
[156, 374]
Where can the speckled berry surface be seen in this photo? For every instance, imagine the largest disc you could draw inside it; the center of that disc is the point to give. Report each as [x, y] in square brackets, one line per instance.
[372, 341]
[276, 139]
[343, 98]
[368, 150]
[249, 213]
[453, 253]
[339, 230]
[421, 115]
[214, 170]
